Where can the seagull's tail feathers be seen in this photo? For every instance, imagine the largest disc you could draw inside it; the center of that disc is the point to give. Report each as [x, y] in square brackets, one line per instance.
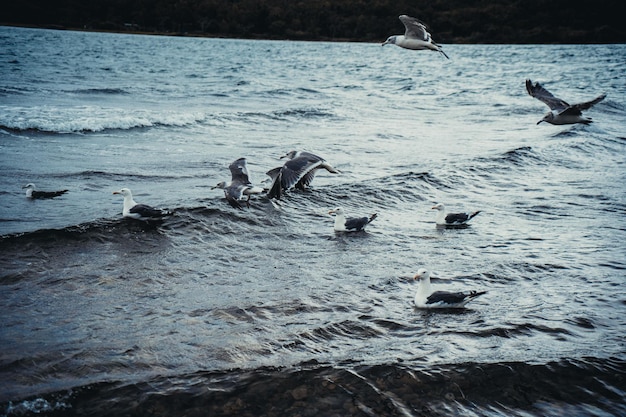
[372, 218]
[472, 215]
[443, 53]
[473, 294]
[330, 168]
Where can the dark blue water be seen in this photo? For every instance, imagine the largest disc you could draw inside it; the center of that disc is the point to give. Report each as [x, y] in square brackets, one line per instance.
[266, 311]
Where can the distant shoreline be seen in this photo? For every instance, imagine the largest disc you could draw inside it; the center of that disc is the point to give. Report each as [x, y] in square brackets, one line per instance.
[267, 37]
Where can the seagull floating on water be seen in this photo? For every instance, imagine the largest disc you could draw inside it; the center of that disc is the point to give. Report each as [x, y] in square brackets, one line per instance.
[143, 212]
[415, 37]
[352, 224]
[561, 113]
[452, 219]
[240, 184]
[32, 192]
[297, 172]
[425, 297]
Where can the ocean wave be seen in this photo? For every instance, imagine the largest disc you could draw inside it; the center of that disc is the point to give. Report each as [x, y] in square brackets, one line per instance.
[105, 91]
[589, 386]
[90, 119]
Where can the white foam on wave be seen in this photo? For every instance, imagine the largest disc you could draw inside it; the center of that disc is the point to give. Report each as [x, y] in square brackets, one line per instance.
[79, 119]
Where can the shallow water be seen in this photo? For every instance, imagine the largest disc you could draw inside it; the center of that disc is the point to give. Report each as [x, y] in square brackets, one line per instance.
[266, 311]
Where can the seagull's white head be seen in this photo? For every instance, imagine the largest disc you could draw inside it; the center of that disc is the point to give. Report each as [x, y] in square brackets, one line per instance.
[290, 155]
[438, 206]
[29, 186]
[421, 274]
[124, 191]
[390, 40]
[221, 185]
[547, 118]
[338, 211]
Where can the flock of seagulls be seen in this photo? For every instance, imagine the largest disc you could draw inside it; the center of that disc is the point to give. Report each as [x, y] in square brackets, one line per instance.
[300, 168]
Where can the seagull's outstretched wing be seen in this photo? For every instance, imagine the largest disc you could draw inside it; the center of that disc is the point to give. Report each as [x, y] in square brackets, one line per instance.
[414, 28]
[537, 91]
[239, 171]
[586, 105]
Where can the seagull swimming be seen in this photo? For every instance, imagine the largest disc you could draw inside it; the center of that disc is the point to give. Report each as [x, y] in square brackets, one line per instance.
[352, 224]
[425, 297]
[240, 184]
[452, 219]
[561, 113]
[415, 37]
[297, 172]
[132, 210]
[32, 192]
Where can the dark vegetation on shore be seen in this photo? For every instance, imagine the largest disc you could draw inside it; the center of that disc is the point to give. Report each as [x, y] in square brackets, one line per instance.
[450, 21]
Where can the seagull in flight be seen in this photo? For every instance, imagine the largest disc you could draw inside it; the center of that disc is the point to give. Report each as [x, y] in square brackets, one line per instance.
[415, 37]
[240, 184]
[298, 172]
[561, 113]
[425, 297]
[351, 224]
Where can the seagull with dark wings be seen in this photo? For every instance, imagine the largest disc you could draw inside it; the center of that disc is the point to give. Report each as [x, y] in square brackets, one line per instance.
[561, 113]
[415, 37]
[298, 172]
[240, 184]
[426, 297]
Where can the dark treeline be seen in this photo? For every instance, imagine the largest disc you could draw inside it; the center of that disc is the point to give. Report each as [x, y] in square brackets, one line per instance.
[450, 21]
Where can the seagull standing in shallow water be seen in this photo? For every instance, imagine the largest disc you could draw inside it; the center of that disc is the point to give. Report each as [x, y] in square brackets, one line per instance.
[427, 298]
[452, 219]
[143, 212]
[240, 184]
[353, 224]
[415, 37]
[561, 113]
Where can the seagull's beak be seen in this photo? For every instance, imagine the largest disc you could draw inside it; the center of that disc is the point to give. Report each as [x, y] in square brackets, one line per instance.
[116, 192]
[417, 277]
[539, 121]
[332, 211]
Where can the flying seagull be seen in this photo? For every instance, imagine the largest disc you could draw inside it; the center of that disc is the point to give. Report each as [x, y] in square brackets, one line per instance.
[425, 297]
[561, 113]
[452, 219]
[351, 224]
[132, 210]
[240, 184]
[415, 37]
[297, 172]
[32, 192]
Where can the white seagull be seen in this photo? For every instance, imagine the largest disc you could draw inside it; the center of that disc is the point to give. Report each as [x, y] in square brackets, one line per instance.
[352, 224]
[425, 297]
[415, 37]
[297, 172]
[132, 210]
[32, 192]
[561, 113]
[452, 219]
[240, 184]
